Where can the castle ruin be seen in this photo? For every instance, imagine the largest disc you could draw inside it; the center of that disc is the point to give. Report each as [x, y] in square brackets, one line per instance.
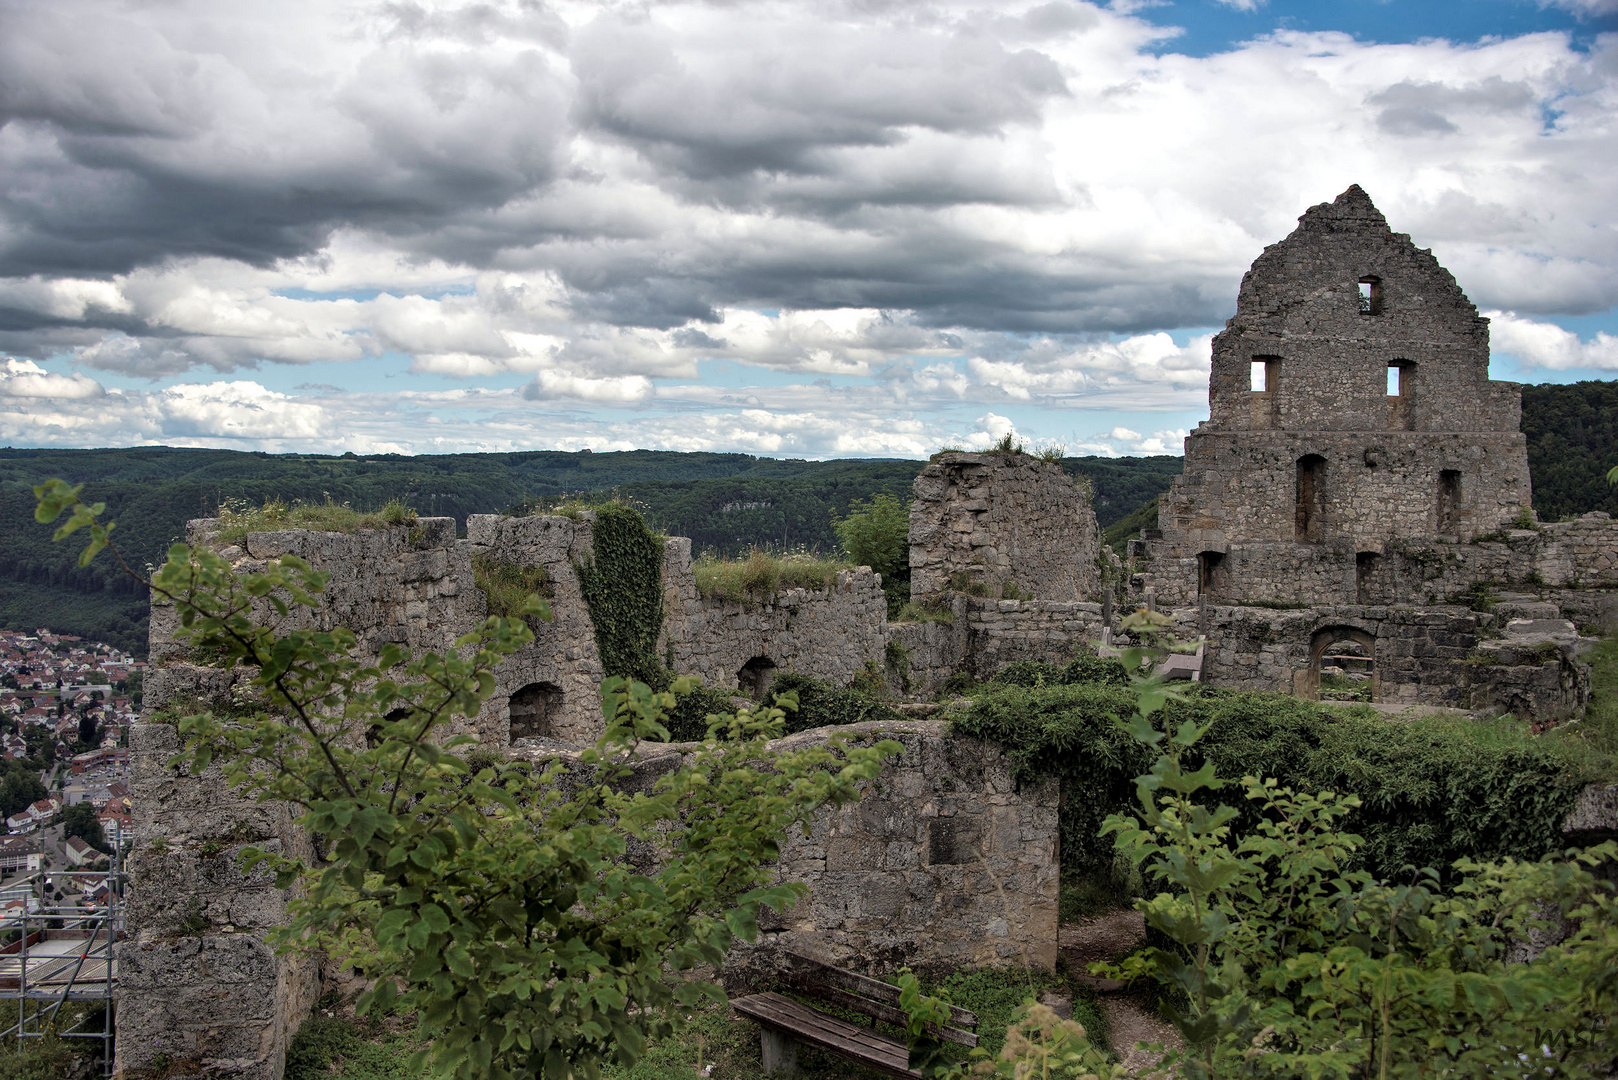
[1360, 488]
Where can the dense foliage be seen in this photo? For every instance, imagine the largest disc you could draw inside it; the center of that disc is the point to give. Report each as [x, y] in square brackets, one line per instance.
[622, 583]
[1431, 791]
[822, 705]
[728, 503]
[877, 534]
[80, 820]
[1572, 433]
[495, 904]
[19, 787]
[1285, 960]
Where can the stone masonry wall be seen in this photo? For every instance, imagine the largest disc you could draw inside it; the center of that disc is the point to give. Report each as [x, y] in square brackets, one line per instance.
[828, 634]
[197, 981]
[1445, 656]
[991, 523]
[945, 861]
[1288, 481]
[563, 654]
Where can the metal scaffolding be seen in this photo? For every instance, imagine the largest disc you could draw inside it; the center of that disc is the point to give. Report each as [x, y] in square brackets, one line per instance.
[64, 954]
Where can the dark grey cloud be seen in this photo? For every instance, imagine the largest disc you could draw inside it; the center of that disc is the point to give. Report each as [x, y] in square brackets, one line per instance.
[1410, 108]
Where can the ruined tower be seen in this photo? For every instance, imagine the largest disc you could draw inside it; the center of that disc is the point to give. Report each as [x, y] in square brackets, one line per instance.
[1350, 406]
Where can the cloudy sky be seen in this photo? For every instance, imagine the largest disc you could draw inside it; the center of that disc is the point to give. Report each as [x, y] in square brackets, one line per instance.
[807, 228]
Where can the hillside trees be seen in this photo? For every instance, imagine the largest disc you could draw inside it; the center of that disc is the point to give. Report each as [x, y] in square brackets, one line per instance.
[493, 899]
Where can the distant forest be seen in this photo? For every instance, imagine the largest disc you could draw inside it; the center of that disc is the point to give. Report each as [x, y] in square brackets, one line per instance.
[726, 503]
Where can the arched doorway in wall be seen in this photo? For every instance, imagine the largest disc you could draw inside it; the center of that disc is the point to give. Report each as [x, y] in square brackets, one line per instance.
[755, 677]
[534, 710]
[1342, 665]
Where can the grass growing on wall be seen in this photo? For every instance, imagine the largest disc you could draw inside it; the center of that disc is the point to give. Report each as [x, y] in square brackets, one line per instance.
[762, 576]
[1433, 790]
[507, 585]
[236, 520]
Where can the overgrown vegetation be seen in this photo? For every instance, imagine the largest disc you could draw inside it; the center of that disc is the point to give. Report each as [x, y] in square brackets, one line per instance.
[622, 584]
[822, 705]
[1432, 790]
[1285, 958]
[507, 585]
[877, 534]
[237, 519]
[762, 576]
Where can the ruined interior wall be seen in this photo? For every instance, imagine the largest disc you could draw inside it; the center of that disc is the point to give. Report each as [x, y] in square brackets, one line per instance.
[1000, 521]
[1241, 487]
[1444, 656]
[197, 981]
[1573, 557]
[1001, 632]
[945, 862]
[930, 652]
[563, 653]
[830, 634]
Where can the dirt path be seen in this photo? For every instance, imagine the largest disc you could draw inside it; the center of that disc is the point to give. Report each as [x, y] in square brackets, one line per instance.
[1109, 937]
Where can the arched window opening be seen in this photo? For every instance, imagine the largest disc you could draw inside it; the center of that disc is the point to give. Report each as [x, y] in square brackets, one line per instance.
[1342, 665]
[1311, 498]
[755, 677]
[1210, 573]
[534, 710]
[1449, 501]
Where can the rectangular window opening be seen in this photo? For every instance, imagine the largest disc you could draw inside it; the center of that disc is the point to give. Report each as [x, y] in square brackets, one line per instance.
[1260, 377]
[1370, 296]
[1396, 380]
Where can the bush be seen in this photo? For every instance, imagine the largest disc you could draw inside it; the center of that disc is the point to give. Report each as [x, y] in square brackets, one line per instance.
[877, 534]
[821, 705]
[1433, 790]
[507, 585]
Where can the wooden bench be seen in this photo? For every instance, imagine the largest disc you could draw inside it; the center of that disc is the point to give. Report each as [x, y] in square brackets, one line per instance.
[784, 1022]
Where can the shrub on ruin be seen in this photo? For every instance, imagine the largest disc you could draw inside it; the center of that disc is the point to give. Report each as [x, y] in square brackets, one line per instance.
[1432, 790]
[762, 576]
[1284, 959]
[819, 704]
[237, 518]
[877, 534]
[498, 906]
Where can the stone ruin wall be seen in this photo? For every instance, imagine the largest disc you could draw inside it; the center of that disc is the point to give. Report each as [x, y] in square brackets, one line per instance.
[201, 985]
[946, 861]
[1443, 656]
[999, 524]
[832, 634]
[196, 980]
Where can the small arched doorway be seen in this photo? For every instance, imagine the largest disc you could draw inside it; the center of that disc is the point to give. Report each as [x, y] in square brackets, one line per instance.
[1342, 665]
[534, 710]
[755, 677]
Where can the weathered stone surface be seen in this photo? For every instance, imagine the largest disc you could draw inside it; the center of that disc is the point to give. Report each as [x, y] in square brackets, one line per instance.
[1002, 525]
[1321, 492]
[1594, 817]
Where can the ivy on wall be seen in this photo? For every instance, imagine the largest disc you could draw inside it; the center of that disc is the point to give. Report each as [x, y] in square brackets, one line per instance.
[623, 588]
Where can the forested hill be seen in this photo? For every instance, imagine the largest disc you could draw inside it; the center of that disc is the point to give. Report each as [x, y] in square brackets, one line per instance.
[726, 502]
[1572, 434]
